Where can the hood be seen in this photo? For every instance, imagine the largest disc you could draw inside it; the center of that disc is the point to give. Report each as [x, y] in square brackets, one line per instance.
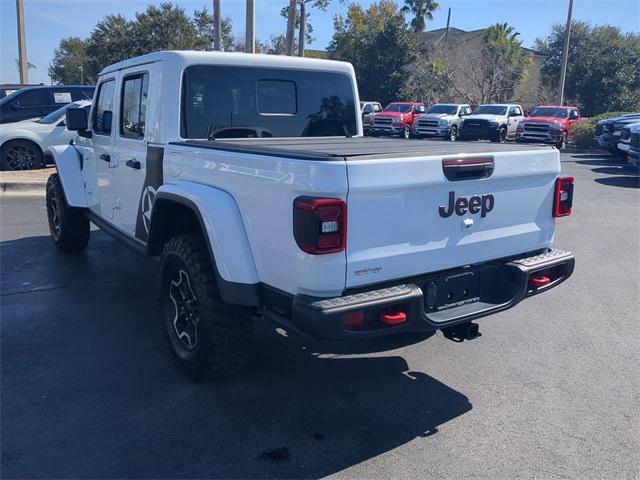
[25, 125]
[436, 116]
[484, 116]
[544, 120]
[390, 114]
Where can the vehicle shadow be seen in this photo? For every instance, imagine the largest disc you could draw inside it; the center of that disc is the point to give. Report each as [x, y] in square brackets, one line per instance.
[625, 182]
[89, 390]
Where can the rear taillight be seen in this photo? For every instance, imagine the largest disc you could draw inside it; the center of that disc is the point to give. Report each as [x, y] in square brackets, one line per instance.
[320, 224]
[563, 197]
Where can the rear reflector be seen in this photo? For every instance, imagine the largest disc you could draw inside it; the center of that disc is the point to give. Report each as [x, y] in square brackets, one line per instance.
[393, 319]
[563, 197]
[353, 319]
[320, 224]
[539, 280]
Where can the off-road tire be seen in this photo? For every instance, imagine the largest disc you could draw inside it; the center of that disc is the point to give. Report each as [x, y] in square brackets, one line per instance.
[223, 333]
[69, 226]
[453, 134]
[562, 144]
[500, 136]
[20, 155]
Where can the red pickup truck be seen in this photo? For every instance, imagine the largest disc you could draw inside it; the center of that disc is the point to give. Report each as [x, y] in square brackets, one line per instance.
[396, 119]
[548, 124]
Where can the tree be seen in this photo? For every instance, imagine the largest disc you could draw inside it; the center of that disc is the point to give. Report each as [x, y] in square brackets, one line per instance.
[114, 38]
[205, 26]
[291, 25]
[603, 69]
[378, 44]
[421, 10]
[302, 22]
[426, 81]
[493, 75]
[68, 58]
[217, 26]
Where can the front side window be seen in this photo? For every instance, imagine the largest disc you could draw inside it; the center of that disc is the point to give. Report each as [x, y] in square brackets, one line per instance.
[377, 107]
[233, 101]
[133, 106]
[103, 113]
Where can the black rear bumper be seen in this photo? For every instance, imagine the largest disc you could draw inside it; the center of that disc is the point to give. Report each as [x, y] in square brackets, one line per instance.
[432, 302]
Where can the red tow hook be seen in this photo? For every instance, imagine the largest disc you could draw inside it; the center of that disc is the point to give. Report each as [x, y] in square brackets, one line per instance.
[393, 319]
[539, 281]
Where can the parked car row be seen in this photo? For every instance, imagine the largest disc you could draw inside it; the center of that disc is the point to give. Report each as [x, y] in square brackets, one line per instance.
[452, 121]
[620, 136]
[32, 119]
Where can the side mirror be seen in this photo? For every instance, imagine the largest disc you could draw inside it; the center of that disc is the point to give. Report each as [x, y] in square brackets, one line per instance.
[76, 121]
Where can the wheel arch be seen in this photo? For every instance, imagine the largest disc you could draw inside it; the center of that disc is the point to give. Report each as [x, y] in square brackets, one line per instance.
[68, 161]
[177, 212]
[23, 139]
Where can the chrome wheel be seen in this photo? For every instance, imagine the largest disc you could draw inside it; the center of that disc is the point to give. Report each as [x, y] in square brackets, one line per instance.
[186, 318]
[407, 132]
[453, 136]
[21, 157]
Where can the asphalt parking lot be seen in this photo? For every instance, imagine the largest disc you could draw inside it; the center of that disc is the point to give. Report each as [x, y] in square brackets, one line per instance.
[551, 389]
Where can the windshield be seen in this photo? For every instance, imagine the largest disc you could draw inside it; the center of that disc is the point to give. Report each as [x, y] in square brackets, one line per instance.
[446, 109]
[549, 112]
[241, 102]
[398, 107]
[56, 115]
[491, 110]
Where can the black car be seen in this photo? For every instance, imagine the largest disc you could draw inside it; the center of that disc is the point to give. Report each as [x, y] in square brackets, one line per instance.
[8, 88]
[39, 101]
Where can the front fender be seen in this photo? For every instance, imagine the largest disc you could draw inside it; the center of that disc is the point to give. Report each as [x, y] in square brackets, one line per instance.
[68, 162]
[221, 222]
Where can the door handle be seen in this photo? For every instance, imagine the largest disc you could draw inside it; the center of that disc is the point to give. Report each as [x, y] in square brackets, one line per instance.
[106, 157]
[133, 164]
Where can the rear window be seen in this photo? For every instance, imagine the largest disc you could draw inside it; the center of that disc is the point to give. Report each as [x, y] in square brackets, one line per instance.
[271, 102]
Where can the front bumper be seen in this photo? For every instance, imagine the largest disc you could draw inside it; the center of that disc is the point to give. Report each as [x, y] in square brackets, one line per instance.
[633, 156]
[551, 137]
[386, 129]
[431, 131]
[499, 285]
[479, 133]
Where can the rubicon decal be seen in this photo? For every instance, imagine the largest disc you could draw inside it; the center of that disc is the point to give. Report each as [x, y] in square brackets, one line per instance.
[481, 204]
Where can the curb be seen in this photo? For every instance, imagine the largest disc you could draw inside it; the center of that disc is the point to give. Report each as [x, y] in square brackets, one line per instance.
[24, 182]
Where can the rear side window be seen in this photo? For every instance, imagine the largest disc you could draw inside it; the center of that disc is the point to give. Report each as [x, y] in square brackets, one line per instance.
[103, 113]
[133, 106]
[273, 102]
[34, 98]
[81, 94]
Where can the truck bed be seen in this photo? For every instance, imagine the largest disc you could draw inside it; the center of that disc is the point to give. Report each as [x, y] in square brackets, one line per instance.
[356, 148]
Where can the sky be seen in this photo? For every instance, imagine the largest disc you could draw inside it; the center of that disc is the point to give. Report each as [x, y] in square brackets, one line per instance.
[48, 21]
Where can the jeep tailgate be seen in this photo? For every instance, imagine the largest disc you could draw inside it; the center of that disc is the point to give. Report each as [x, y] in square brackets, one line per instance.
[396, 230]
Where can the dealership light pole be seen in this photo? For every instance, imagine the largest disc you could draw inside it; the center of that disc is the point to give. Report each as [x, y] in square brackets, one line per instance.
[217, 23]
[22, 44]
[250, 40]
[565, 53]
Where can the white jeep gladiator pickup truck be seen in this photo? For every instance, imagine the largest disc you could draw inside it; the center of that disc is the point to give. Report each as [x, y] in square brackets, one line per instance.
[249, 177]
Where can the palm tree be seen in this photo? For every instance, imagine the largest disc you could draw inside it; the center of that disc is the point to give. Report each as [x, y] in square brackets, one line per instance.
[217, 26]
[421, 10]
